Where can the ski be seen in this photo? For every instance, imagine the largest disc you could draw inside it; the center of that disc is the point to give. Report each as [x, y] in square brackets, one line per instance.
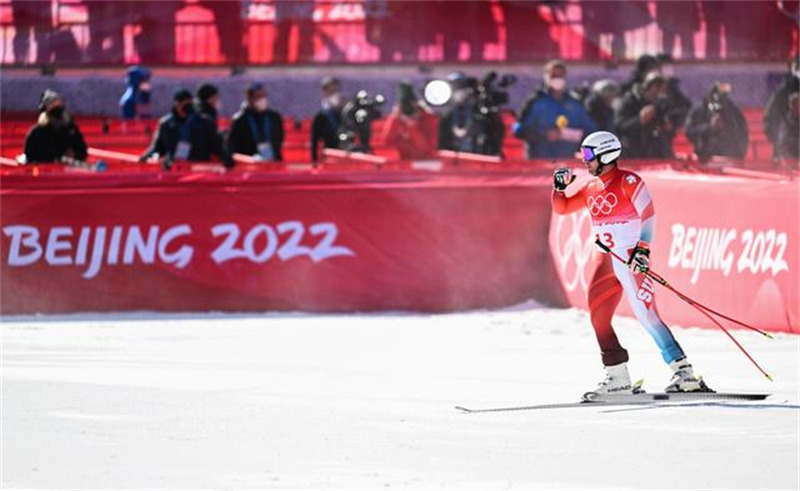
[643, 399]
[654, 397]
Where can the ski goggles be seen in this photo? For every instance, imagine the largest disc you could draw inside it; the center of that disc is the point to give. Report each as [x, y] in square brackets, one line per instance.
[587, 153]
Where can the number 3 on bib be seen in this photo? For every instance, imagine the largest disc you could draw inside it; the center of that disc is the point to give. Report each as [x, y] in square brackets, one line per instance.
[607, 239]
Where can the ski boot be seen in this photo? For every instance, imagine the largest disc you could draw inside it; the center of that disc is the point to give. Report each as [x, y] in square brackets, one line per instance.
[618, 381]
[684, 379]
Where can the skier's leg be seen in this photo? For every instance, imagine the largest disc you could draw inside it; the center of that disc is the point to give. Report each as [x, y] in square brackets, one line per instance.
[605, 292]
[640, 291]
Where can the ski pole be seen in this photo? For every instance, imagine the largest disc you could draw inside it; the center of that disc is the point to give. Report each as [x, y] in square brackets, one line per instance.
[661, 281]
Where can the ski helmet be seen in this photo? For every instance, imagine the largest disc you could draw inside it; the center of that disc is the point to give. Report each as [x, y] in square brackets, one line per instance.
[601, 145]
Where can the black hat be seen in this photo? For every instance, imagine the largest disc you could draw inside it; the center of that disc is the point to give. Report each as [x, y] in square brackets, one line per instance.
[181, 95]
[646, 63]
[207, 91]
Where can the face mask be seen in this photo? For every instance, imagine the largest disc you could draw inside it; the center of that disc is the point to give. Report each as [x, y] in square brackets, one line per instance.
[460, 96]
[336, 100]
[145, 87]
[56, 112]
[557, 84]
[261, 104]
[218, 105]
[184, 109]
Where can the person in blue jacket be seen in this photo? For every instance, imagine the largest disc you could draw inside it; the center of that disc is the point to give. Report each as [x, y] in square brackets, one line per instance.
[553, 122]
[135, 101]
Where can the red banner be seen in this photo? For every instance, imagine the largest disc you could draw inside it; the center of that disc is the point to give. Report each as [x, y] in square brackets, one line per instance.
[728, 242]
[337, 242]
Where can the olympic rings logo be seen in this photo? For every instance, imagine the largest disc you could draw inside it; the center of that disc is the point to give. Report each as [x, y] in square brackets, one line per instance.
[602, 204]
[575, 248]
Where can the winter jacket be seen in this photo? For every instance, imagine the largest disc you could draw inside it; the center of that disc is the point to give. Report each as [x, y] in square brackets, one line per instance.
[49, 140]
[545, 113]
[250, 128]
[133, 98]
[729, 140]
[198, 130]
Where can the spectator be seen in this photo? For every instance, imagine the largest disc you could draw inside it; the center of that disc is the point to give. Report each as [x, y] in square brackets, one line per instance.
[208, 102]
[325, 126]
[257, 130]
[788, 143]
[678, 104]
[106, 25]
[645, 65]
[183, 135]
[135, 101]
[778, 107]
[678, 20]
[457, 128]
[716, 127]
[55, 135]
[32, 16]
[411, 126]
[288, 14]
[229, 18]
[641, 121]
[600, 103]
[552, 122]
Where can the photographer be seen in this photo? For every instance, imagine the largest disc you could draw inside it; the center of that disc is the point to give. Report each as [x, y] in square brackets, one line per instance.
[641, 120]
[325, 126]
[256, 129]
[778, 110]
[552, 122]
[456, 126]
[677, 104]
[600, 103]
[411, 127]
[717, 126]
[55, 135]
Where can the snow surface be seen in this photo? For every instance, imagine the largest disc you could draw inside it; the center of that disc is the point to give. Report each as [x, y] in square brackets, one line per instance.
[298, 401]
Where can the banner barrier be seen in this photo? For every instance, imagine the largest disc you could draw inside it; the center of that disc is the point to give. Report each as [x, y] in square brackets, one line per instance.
[377, 240]
[359, 241]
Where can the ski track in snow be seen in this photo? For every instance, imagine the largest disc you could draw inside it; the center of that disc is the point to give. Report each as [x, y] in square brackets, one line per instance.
[294, 401]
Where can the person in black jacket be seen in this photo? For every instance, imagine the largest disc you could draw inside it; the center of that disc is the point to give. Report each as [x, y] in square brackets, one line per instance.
[717, 126]
[645, 65]
[641, 120]
[257, 130]
[600, 103]
[184, 135]
[208, 102]
[677, 104]
[325, 126]
[55, 135]
[778, 107]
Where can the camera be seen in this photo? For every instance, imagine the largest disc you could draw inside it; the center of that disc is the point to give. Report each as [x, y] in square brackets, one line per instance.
[490, 97]
[485, 97]
[357, 117]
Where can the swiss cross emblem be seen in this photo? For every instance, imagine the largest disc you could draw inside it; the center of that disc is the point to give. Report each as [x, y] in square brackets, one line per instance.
[631, 179]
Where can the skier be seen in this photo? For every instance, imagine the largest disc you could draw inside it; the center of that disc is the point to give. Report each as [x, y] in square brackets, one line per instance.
[623, 218]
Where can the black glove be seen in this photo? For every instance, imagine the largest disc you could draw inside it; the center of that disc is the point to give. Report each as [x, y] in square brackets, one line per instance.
[562, 178]
[639, 262]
